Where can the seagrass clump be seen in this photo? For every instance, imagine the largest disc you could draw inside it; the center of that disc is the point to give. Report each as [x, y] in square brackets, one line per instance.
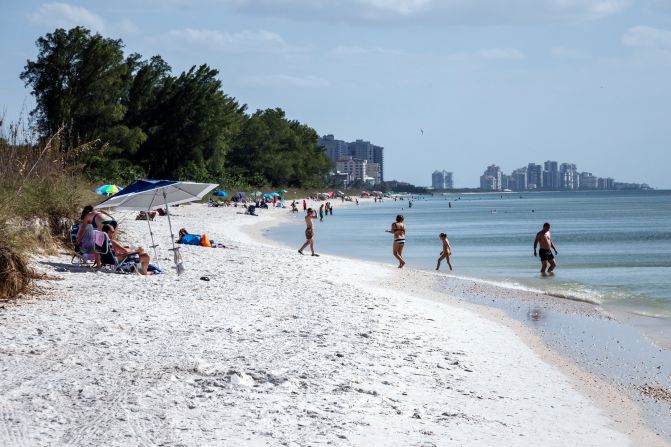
[15, 274]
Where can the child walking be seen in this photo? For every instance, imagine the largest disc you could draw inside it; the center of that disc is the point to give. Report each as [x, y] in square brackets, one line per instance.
[447, 251]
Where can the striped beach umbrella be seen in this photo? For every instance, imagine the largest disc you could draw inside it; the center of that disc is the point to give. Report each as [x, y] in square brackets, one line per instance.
[108, 190]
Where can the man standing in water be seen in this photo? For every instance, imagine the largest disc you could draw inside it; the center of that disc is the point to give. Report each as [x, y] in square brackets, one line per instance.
[544, 238]
[309, 232]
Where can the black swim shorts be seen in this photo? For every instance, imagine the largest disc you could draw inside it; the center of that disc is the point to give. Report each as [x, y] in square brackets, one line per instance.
[545, 254]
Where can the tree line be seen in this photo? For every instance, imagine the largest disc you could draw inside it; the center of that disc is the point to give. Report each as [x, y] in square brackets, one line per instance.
[145, 121]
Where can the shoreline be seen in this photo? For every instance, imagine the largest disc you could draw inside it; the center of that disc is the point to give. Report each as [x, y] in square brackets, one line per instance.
[272, 349]
[593, 382]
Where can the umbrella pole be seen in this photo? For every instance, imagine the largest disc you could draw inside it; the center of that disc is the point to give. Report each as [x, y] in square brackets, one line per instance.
[178, 257]
[153, 244]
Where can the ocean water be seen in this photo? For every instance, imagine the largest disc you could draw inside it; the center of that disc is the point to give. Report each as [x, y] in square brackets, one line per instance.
[614, 247]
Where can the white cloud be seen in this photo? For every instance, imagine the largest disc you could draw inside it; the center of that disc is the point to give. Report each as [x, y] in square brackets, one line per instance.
[439, 12]
[243, 41]
[645, 36]
[283, 80]
[63, 15]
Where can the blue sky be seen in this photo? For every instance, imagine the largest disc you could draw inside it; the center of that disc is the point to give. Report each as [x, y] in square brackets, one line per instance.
[505, 82]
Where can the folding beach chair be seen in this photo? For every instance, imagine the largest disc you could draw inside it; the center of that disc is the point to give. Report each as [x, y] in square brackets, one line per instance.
[109, 259]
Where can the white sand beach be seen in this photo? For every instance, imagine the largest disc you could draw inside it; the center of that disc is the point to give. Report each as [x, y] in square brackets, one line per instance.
[280, 349]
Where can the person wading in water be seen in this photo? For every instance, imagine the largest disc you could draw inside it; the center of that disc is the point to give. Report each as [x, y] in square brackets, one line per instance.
[544, 238]
[398, 230]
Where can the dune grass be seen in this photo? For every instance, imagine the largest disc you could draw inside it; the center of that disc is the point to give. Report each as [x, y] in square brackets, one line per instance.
[41, 190]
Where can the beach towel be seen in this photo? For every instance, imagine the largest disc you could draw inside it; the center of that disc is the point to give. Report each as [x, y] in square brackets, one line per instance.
[87, 245]
[98, 238]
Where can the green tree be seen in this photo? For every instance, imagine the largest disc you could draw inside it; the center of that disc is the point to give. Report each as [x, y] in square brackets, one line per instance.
[78, 81]
[191, 124]
[284, 152]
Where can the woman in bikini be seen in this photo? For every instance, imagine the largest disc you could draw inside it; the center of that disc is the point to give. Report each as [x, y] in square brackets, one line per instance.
[398, 230]
[95, 218]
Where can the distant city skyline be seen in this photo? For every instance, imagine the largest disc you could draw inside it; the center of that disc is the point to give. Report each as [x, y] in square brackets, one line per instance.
[353, 161]
[550, 176]
[452, 84]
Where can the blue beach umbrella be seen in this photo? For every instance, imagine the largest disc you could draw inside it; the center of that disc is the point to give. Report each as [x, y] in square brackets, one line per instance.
[274, 194]
[268, 196]
[220, 194]
[108, 190]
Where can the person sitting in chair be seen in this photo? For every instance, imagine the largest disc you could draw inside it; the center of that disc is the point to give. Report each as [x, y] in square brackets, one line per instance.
[95, 218]
[123, 252]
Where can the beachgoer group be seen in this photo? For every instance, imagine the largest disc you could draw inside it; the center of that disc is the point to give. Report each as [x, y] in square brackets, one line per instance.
[85, 240]
[398, 230]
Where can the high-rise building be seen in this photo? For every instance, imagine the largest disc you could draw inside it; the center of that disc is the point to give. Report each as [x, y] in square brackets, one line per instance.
[335, 149]
[373, 171]
[357, 169]
[568, 176]
[378, 157]
[534, 176]
[551, 175]
[442, 180]
[359, 150]
[519, 179]
[491, 179]
[588, 181]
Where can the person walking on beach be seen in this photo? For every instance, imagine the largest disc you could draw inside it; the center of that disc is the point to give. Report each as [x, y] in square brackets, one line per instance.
[544, 239]
[321, 212]
[398, 230]
[305, 205]
[309, 232]
[447, 251]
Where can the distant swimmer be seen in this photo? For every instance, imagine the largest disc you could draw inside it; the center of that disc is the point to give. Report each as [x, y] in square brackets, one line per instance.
[447, 251]
[398, 230]
[309, 232]
[544, 238]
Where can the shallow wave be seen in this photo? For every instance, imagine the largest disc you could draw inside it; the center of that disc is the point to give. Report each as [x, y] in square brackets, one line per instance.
[589, 297]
